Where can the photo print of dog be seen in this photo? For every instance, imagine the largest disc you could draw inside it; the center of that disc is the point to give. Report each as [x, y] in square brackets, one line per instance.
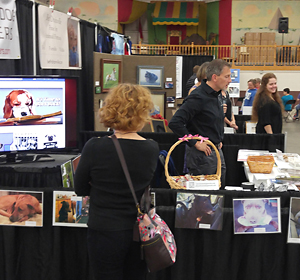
[294, 221]
[199, 211]
[70, 209]
[257, 215]
[21, 208]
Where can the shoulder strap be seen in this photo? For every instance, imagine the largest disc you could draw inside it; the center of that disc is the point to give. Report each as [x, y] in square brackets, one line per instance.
[125, 169]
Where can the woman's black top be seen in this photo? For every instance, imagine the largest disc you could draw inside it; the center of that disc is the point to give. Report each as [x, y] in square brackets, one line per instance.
[269, 114]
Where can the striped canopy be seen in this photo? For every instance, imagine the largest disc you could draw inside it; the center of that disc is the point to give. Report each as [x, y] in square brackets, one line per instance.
[176, 13]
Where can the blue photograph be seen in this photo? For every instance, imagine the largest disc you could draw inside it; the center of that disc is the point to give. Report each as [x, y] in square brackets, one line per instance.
[150, 76]
[258, 215]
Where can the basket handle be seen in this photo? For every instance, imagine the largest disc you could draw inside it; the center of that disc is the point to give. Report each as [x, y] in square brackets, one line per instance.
[197, 138]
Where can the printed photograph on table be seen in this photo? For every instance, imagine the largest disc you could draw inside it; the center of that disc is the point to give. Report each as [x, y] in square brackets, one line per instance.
[294, 221]
[75, 162]
[67, 174]
[69, 209]
[199, 211]
[257, 215]
[110, 74]
[150, 76]
[20, 208]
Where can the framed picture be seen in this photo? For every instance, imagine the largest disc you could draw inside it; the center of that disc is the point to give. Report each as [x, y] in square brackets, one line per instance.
[150, 76]
[158, 125]
[159, 101]
[20, 208]
[257, 215]
[294, 221]
[199, 211]
[69, 209]
[110, 74]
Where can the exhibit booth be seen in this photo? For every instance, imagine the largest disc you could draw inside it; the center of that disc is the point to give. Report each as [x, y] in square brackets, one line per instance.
[49, 250]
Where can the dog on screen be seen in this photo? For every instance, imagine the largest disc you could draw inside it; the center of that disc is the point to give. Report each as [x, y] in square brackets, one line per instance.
[18, 103]
[19, 208]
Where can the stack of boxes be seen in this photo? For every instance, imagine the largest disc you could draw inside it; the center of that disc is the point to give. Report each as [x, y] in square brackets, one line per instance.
[266, 40]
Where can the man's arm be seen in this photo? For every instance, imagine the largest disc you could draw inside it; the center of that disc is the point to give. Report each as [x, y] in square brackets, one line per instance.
[179, 121]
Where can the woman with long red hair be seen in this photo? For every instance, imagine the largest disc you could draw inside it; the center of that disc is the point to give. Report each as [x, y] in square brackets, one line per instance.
[267, 106]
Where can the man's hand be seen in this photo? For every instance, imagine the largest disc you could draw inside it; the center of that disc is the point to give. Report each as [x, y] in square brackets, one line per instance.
[203, 147]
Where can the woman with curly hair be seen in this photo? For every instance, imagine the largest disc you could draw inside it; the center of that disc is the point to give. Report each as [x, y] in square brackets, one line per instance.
[112, 252]
[267, 106]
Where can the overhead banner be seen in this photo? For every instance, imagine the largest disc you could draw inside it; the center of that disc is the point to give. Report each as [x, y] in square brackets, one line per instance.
[9, 34]
[59, 40]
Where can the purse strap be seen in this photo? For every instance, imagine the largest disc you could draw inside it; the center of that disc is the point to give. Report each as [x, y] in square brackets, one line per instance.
[126, 172]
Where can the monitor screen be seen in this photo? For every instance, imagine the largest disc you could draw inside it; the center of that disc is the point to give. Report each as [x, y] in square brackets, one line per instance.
[34, 114]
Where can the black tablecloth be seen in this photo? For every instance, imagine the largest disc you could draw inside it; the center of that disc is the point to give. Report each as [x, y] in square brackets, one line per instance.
[58, 253]
[34, 174]
[222, 255]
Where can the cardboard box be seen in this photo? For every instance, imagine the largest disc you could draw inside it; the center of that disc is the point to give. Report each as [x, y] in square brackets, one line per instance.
[249, 36]
[267, 36]
[248, 42]
[264, 42]
[271, 42]
[256, 36]
[256, 42]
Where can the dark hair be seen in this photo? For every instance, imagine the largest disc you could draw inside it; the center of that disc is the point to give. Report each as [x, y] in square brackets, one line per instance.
[262, 97]
[253, 81]
[216, 67]
[287, 90]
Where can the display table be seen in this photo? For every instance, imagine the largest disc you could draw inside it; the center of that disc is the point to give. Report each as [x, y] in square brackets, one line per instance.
[221, 255]
[34, 174]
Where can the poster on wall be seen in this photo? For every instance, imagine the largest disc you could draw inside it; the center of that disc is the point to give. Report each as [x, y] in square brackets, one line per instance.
[20, 208]
[179, 76]
[59, 40]
[9, 34]
[234, 86]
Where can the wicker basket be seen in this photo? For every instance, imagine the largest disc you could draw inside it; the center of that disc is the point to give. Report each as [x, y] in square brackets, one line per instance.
[172, 180]
[261, 164]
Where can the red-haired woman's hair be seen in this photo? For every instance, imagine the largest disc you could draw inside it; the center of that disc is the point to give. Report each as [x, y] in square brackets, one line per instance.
[262, 96]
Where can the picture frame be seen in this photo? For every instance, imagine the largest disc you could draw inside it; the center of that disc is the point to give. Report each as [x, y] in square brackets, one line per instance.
[150, 76]
[110, 73]
[69, 209]
[31, 203]
[294, 221]
[257, 215]
[159, 101]
[199, 211]
[158, 125]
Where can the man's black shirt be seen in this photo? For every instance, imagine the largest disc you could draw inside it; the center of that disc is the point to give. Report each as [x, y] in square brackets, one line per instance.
[201, 113]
